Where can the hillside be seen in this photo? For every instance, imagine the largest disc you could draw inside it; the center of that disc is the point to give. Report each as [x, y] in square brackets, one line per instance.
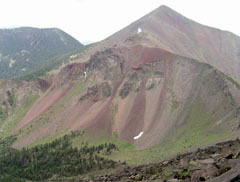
[165, 96]
[16, 97]
[162, 86]
[24, 50]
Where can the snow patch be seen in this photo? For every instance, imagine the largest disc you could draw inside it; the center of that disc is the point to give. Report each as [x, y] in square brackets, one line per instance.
[85, 74]
[139, 30]
[24, 52]
[139, 135]
[11, 63]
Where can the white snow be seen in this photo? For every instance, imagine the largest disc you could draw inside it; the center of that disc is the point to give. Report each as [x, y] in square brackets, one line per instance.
[139, 135]
[139, 30]
[11, 63]
[85, 74]
[24, 52]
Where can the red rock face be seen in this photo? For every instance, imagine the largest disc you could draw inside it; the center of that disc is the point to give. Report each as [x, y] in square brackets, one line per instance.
[44, 83]
[71, 71]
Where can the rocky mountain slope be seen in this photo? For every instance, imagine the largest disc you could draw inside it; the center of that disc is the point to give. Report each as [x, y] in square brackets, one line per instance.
[167, 29]
[24, 50]
[213, 164]
[162, 86]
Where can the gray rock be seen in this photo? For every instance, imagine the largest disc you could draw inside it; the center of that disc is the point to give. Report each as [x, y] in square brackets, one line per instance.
[206, 161]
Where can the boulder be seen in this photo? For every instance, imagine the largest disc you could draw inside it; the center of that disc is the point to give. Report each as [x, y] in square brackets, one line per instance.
[204, 174]
[206, 161]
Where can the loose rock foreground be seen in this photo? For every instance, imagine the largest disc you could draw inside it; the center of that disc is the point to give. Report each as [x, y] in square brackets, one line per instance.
[218, 163]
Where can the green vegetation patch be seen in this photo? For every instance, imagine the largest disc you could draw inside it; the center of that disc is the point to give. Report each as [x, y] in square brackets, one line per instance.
[20, 112]
[48, 139]
[124, 153]
[3, 114]
[74, 91]
[114, 111]
[57, 158]
[175, 104]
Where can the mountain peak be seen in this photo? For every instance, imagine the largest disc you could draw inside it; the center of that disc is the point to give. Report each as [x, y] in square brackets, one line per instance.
[164, 7]
[167, 29]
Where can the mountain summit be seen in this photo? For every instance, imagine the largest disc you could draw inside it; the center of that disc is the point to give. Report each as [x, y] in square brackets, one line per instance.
[165, 28]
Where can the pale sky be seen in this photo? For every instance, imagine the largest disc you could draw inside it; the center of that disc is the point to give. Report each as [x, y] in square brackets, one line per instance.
[95, 20]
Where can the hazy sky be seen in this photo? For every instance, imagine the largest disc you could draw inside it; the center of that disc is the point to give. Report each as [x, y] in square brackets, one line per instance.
[94, 20]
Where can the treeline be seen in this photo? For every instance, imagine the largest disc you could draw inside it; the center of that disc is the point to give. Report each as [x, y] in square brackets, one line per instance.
[55, 158]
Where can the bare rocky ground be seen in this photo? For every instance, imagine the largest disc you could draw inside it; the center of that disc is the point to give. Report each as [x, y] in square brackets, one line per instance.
[218, 163]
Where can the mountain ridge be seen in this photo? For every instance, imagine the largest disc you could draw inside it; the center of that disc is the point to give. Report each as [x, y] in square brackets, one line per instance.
[25, 49]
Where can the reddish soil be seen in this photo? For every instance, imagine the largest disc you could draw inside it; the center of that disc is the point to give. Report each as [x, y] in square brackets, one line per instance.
[135, 120]
[41, 105]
